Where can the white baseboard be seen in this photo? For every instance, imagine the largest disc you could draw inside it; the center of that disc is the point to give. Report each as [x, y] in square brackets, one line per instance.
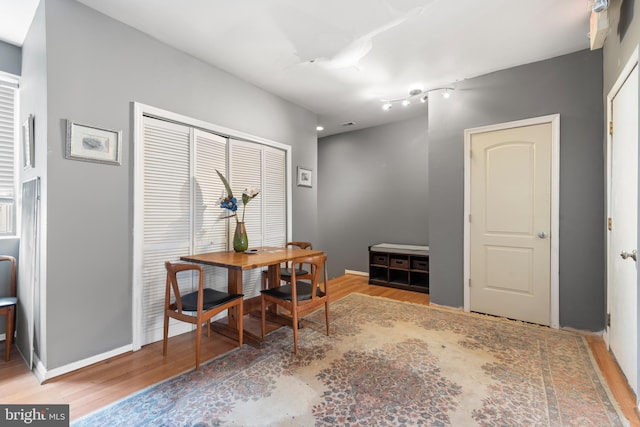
[42, 374]
[357, 273]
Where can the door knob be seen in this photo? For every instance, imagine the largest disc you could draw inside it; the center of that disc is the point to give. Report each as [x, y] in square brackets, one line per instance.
[542, 235]
[633, 254]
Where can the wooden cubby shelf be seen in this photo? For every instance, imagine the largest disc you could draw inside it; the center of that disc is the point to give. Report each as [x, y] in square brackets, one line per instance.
[399, 266]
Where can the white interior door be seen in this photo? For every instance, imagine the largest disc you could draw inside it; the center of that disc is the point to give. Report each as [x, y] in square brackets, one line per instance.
[624, 236]
[510, 222]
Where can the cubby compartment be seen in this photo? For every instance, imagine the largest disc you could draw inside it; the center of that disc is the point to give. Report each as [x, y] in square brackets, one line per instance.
[378, 274]
[420, 263]
[400, 277]
[420, 279]
[399, 266]
[380, 259]
[399, 261]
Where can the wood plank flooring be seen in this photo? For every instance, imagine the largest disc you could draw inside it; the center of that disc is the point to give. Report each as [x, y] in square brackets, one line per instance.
[98, 385]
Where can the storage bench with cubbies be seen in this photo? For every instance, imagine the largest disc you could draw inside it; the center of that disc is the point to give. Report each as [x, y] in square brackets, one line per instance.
[399, 266]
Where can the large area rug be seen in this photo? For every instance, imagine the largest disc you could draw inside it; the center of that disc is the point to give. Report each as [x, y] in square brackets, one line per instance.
[386, 363]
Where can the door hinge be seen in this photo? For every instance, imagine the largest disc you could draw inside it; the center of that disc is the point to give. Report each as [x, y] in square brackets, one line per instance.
[609, 224]
[469, 217]
[611, 127]
[608, 320]
[469, 282]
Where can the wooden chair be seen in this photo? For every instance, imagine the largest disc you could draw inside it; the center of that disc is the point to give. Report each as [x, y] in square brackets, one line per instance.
[299, 297]
[8, 308]
[285, 272]
[204, 302]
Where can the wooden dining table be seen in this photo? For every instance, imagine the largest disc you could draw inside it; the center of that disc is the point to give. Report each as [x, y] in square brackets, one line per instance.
[236, 263]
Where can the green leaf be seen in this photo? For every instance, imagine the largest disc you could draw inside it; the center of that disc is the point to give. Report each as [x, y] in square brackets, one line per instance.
[226, 184]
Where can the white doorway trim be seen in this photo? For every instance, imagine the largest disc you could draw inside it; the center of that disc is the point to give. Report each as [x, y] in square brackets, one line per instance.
[622, 77]
[554, 119]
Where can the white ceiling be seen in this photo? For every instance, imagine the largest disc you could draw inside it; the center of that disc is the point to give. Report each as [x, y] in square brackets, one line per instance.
[340, 58]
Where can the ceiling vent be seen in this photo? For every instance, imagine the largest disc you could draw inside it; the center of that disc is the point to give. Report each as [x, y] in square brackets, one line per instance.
[348, 124]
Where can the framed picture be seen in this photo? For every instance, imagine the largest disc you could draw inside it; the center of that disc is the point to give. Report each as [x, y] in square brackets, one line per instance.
[28, 143]
[93, 144]
[304, 177]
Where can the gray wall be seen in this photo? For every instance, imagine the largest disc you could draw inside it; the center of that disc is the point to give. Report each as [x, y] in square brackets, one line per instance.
[95, 69]
[572, 86]
[373, 189]
[10, 58]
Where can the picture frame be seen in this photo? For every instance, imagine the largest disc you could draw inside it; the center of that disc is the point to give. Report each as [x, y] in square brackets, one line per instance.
[304, 177]
[28, 143]
[93, 144]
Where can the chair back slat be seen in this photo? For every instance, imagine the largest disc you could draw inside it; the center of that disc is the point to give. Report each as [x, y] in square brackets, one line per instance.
[172, 282]
[316, 268]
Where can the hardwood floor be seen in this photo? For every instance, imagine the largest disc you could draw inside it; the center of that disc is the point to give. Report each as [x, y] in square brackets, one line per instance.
[98, 385]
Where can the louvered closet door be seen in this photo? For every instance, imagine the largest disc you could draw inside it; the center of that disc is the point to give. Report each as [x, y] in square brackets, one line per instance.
[167, 217]
[274, 190]
[210, 227]
[245, 163]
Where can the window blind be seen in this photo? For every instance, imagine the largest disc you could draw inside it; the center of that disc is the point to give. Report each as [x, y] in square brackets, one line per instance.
[7, 159]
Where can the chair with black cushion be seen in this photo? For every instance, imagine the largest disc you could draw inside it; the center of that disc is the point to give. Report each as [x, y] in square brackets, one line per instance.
[8, 306]
[285, 272]
[299, 297]
[203, 304]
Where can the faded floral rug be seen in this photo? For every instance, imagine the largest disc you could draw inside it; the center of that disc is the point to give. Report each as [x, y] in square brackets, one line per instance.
[386, 363]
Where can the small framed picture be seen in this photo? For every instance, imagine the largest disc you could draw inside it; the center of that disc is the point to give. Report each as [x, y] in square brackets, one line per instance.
[28, 143]
[93, 144]
[304, 177]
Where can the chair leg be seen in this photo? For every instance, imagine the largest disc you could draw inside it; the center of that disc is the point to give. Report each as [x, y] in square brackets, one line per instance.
[263, 317]
[9, 333]
[198, 343]
[166, 335]
[240, 322]
[294, 314]
[326, 314]
[209, 328]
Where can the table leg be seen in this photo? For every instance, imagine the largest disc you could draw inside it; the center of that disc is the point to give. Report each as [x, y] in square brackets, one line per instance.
[234, 284]
[231, 328]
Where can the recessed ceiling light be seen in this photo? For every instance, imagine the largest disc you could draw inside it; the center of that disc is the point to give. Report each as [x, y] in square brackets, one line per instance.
[319, 128]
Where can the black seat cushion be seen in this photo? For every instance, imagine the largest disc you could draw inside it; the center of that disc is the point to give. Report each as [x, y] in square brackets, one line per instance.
[303, 291]
[212, 298]
[286, 272]
[7, 301]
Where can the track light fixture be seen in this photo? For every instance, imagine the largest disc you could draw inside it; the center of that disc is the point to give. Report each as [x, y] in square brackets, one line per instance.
[387, 104]
[600, 5]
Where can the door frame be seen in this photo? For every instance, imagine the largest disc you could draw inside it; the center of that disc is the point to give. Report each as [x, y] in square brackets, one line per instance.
[622, 77]
[554, 120]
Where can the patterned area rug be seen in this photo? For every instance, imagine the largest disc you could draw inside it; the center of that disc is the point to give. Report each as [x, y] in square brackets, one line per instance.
[387, 363]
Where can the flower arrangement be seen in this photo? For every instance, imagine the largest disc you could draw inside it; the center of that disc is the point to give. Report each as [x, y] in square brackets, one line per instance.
[231, 203]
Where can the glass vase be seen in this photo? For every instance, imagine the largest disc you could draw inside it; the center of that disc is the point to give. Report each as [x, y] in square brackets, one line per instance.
[240, 240]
